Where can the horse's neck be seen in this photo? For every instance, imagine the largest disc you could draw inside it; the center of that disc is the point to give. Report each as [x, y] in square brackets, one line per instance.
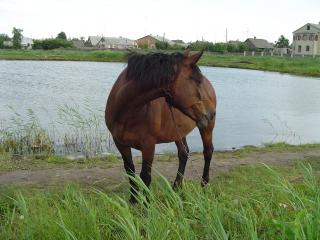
[129, 100]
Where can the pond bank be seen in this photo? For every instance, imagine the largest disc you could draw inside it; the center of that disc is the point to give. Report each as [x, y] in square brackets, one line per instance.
[306, 66]
[41, 169]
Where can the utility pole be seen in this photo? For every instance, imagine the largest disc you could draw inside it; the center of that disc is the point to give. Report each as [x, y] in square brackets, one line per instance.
[226, 35]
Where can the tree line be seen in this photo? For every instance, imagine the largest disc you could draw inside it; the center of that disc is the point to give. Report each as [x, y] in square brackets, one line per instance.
[60, 41]
[231, 47]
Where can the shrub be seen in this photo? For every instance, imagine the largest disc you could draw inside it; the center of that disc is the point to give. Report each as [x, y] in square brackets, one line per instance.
[51, 43]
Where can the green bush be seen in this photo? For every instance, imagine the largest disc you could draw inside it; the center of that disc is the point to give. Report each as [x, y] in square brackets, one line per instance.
[52, 43]
[218, 47]
[3, 37]
[162, 45]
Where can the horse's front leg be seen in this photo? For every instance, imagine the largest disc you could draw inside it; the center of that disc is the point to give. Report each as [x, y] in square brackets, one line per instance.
[183, 151]
[206, 136]
[147, 160]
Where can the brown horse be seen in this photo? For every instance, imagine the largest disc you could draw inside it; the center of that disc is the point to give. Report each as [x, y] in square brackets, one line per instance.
[160, 98]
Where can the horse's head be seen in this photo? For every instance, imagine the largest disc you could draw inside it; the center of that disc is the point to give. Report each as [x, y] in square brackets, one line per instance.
[180, 78]
[192, 93]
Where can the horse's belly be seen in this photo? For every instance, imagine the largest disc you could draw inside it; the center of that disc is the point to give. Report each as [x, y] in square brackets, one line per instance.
[174, 128]
[155, 123]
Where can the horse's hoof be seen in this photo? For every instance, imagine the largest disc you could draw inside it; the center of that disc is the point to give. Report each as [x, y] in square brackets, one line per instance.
[133, 200]
[176, 185]
[204, 183]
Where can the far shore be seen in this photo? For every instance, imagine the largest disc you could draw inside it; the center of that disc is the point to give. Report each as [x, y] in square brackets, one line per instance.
[304, 66]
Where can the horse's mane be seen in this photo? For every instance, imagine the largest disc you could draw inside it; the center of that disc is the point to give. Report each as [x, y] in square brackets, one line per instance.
[153, 70]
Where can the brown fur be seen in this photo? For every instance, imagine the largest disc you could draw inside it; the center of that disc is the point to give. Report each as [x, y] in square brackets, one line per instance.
[140, 118]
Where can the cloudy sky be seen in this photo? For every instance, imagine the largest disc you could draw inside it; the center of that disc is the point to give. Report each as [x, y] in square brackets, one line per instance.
[189, 20]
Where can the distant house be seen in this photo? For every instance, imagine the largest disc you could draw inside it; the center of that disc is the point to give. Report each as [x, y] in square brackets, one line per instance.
[78, 43]
[8, 44]
[149, 41]
[258, 44]
[118, 43]
[180, 43]
[306, 40]
[26, 43]
[93, 41]
[110, 42]
[281, 51]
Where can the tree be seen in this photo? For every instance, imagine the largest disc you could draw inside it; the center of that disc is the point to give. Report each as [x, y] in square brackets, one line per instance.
[52, 43]
[162, 45]
[3, 37]
[282, 42]
[17, 37]
[62, 35]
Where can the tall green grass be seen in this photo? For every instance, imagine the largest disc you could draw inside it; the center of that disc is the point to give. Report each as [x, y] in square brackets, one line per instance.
[254, 202]
[24, 135]
[76, 130]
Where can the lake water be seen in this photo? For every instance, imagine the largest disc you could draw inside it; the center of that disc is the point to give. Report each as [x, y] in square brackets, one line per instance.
[254, 107]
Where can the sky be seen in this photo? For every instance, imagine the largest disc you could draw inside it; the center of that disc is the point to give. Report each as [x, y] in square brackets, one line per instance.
[189, 20]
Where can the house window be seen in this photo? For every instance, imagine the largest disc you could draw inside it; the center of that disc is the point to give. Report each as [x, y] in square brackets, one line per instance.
[307, 48]
[299, 37]
[299, 48]
[308, 27]
[316, 38]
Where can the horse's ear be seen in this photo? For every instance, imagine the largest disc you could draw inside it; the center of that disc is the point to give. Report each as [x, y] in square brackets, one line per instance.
[193, 59]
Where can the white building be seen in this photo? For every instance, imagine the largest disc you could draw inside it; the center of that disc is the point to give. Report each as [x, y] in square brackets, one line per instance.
[306, 40]
[111, 42]
[26, 43]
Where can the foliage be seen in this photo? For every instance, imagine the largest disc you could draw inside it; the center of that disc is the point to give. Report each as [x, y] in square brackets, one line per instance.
[162, 45]
[24, 135]
[17, 37]
[218, 47]
[143, 46]
[77, 129]
[282, 42]
[253, 202]
[241, 47]
[52, 43]
[3, 37]
[62, 35]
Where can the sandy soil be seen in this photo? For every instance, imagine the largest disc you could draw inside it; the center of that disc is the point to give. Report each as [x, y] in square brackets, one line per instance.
[116, 174]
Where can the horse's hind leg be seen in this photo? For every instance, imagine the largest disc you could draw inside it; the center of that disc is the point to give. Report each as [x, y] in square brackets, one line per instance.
[126, 155]
[183, 151]
[206, 136]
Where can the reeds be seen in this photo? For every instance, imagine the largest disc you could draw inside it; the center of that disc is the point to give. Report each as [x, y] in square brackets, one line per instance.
[77, 130]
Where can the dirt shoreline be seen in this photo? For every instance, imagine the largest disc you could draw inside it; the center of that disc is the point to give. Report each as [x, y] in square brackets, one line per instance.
[115, 174]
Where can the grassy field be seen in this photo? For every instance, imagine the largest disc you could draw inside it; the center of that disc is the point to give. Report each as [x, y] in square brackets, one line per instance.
[249, 202]
[63, 55]
[252, 202]
[300, 66]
